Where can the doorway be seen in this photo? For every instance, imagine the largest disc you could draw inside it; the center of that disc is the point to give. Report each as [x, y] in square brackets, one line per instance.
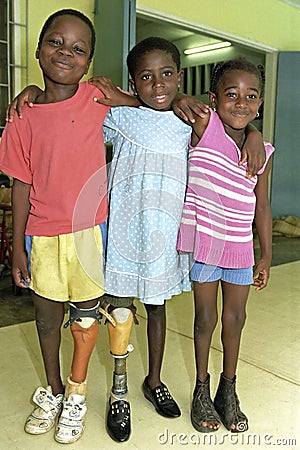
[197, 67]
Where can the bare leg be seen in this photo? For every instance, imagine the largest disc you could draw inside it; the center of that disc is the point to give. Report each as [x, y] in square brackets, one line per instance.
[233, 320]
[49, 316]
[154, 390]
[156, 333]
[206, 316]
[203, 415]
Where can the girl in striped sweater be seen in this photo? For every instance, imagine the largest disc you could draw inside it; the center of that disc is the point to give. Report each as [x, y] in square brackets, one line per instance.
[216, 229]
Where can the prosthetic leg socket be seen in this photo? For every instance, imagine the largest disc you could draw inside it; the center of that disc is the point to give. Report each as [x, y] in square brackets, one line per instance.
[119, 335]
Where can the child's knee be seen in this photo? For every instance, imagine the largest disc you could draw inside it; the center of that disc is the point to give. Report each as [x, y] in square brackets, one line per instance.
[47, 324]
[235, 320]
[205, 322]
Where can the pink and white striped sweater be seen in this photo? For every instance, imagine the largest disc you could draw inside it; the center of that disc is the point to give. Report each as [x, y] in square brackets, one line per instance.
[216, 224]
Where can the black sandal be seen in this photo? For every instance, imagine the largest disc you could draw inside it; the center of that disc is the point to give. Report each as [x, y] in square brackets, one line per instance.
[203, 409]
[228, 406]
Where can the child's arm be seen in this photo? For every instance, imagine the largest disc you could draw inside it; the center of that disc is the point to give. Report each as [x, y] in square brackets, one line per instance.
[113, 95]
[20, 211]
[189, 108]
[193, 111]
[28, 95]
[263, 222]
[199, 126]
[253, 151]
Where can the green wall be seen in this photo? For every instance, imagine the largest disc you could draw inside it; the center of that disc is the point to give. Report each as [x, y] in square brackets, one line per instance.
[270, 22]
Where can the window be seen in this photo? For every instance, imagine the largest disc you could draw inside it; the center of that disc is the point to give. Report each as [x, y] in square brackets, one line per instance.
[13, 51]
[196, 79]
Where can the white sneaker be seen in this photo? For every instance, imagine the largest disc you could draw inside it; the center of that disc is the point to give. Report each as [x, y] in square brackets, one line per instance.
[44, 415]
[71, 422]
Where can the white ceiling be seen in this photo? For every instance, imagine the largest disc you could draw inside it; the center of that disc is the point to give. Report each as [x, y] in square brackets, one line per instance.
[173, 33]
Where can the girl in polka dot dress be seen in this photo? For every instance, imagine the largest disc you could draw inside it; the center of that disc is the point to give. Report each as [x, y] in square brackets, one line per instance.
[146, 190]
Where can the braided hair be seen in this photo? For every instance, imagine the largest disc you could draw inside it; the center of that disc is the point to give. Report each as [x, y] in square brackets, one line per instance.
[236, 64]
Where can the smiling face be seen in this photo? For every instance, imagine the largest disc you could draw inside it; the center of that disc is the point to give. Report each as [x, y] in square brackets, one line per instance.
[64, 53]
[156, 79]
[237, 99]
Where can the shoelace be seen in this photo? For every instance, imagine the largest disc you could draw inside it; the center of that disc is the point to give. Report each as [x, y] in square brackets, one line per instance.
[204, 398]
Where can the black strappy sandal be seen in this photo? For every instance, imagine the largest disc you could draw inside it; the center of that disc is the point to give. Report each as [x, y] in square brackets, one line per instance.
[203, 409]
[228, 406]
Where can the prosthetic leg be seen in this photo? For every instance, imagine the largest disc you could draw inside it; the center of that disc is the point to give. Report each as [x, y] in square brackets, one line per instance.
[118, 418]
[84, 328]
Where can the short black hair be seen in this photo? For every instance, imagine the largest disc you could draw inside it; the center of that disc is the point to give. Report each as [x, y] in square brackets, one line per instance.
[236, 64]
[147, 45]
[70, 12]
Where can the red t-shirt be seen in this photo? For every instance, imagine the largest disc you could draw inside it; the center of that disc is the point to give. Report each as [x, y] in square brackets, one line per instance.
[58, 149]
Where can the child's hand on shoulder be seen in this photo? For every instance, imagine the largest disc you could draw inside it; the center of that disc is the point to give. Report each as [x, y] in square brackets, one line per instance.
[28, 95]
[108, 88]
[187, 107]
[253, 152]
[114, 96]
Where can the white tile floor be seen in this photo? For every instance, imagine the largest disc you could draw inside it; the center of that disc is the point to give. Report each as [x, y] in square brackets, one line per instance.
[267, 378]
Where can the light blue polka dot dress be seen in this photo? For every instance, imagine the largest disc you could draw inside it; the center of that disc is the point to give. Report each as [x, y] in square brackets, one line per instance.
[146, 188]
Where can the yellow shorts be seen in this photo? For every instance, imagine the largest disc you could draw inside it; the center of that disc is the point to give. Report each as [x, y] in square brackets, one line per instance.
[68, 267]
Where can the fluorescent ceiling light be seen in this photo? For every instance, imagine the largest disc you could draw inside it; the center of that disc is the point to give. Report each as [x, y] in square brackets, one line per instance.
[206, 48]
